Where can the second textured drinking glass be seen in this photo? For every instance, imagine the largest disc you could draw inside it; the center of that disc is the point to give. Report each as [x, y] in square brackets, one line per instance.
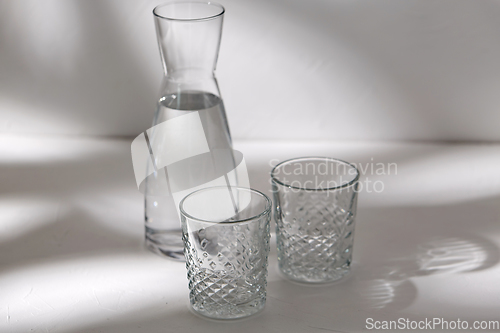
[226, 238]
[315, 206]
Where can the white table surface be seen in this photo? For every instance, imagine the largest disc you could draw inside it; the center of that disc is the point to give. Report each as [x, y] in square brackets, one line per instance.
[72, 256]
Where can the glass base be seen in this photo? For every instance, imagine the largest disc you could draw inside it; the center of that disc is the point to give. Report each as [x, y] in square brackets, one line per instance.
[229, 311]
[165, 243]
[315, 277]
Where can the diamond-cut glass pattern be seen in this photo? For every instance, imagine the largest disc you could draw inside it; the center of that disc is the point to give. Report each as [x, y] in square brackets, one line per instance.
[227, 266]
[315, 232]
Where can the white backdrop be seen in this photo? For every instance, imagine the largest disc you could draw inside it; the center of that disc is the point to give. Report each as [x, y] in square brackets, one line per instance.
[288, 69]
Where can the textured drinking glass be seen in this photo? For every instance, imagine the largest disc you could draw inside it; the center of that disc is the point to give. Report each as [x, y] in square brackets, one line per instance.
[315, 206]
[226, 244]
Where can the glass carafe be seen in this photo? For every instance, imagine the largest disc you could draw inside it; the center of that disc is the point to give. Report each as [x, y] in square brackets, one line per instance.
[190, 140]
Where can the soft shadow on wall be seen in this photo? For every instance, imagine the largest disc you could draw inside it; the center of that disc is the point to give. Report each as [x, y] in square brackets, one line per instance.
[408, 70]
[77, 67]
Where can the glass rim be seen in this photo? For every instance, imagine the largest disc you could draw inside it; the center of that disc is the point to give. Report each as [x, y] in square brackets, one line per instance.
[266, 210]
[204, 18]
[311, 158]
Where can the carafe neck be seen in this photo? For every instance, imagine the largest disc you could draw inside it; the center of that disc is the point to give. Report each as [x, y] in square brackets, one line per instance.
[189, 37]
